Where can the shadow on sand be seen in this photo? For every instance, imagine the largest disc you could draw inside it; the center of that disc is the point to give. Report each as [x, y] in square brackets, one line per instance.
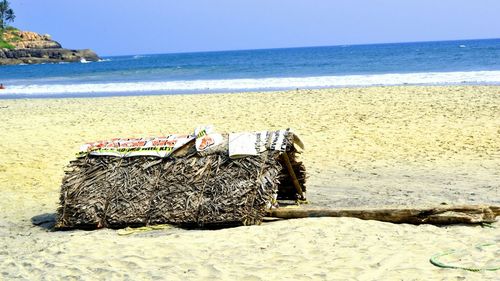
[46, 221]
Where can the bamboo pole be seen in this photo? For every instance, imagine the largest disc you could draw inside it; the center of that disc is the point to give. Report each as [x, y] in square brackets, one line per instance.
[295, 181]
[469, 214]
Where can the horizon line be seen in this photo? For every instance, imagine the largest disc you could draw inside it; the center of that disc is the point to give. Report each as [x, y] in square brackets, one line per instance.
[299, 47]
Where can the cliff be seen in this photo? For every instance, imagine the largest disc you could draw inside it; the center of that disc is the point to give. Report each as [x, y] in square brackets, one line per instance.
[29, 47]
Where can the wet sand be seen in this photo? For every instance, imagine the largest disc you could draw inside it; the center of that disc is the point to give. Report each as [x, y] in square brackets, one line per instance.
[365, 147]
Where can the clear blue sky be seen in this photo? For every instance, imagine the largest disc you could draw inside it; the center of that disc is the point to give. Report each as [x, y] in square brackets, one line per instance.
[119, 27]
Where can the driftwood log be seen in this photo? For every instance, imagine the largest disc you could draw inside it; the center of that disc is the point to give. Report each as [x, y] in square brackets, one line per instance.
[442, 215]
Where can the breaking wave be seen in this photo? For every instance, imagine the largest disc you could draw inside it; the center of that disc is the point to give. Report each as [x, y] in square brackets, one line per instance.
[227, 85]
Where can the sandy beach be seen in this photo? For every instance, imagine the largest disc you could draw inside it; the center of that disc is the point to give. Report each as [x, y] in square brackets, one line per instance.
[365, 147]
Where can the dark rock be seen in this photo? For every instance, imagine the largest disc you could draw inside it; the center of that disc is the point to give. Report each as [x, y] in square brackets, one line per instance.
[52, 55]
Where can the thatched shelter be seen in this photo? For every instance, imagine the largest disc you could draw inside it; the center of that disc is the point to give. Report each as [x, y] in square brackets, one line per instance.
[200, 180]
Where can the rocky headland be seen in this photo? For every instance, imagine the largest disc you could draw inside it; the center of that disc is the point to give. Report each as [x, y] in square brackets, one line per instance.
[25, 47]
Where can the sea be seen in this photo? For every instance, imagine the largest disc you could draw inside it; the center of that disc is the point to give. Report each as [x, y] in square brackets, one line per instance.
[464, 62]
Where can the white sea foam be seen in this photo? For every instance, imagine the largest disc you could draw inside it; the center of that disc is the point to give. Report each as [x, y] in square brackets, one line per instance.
[429, 78]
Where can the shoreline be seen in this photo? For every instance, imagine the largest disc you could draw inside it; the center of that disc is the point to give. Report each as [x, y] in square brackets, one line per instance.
[222, 92]
[364, 147]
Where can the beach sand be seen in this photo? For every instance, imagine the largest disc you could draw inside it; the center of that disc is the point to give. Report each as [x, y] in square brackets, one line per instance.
[365, 147]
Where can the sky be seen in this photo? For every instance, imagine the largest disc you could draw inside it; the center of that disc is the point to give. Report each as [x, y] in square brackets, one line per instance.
[126, 27]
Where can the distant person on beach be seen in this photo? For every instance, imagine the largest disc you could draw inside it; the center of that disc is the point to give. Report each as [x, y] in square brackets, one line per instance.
[2, 87]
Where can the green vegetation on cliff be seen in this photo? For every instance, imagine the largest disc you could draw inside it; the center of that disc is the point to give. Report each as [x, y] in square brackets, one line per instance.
[5, 44]
[9, 32]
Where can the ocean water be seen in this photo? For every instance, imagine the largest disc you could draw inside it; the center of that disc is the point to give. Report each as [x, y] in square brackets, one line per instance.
[422, 63]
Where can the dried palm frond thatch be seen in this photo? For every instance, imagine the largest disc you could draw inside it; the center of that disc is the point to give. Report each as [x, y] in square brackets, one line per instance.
[185, 188]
